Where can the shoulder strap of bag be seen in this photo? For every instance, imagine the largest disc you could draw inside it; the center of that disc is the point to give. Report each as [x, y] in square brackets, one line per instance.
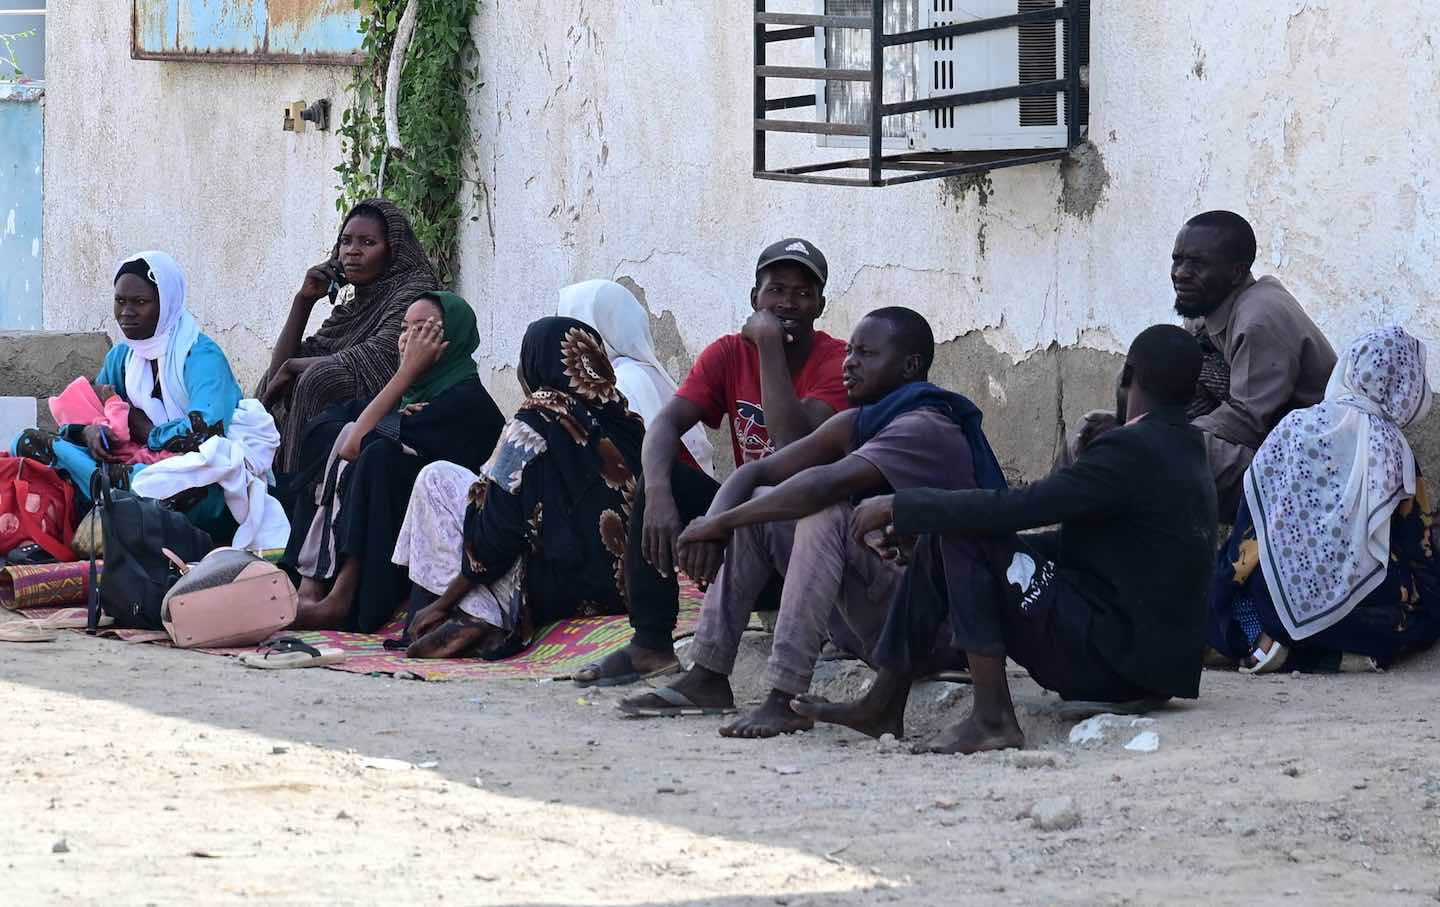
[100, 492]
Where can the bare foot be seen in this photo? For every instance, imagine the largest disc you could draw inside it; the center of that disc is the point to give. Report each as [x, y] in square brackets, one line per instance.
[773, 718]
[454, 639]
[703, 687]
[326, 614]
[970, 735]
[863, 715]
[879, 712]
[630, 664]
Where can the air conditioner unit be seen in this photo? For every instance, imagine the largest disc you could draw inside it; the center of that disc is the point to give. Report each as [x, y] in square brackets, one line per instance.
[1033, 52]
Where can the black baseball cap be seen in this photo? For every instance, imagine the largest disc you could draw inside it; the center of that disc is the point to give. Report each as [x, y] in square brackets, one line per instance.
[800, 251]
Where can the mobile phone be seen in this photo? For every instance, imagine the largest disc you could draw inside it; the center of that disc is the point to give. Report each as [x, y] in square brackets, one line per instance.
[338, 281]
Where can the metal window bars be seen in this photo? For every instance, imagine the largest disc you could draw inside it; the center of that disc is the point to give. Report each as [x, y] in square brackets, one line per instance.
[894, 169]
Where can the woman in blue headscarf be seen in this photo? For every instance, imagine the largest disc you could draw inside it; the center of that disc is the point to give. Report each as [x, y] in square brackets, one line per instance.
[177, 381]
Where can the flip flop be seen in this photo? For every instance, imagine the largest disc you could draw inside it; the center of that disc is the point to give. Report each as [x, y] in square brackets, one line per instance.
[951, 675]
[679, 706]
[26, 631]
[1267, 662]
[290, 652]
[628, 676]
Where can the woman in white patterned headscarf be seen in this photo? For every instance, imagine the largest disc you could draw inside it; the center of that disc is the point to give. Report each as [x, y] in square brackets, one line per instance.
[1337, 520]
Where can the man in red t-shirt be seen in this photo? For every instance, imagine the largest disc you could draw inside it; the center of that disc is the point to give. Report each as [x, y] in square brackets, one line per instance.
[777, 380]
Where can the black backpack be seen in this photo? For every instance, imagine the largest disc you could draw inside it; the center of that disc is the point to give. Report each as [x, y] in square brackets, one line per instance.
[137, 572]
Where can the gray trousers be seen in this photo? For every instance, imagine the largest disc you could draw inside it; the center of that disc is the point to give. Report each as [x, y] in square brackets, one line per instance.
[834, 589]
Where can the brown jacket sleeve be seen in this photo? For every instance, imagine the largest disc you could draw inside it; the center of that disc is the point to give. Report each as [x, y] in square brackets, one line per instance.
[1263, 350]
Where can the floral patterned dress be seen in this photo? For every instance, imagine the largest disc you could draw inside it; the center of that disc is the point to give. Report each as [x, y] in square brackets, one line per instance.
[545, 524]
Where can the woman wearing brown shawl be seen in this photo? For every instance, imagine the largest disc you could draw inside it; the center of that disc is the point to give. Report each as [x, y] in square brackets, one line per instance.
[355, 351]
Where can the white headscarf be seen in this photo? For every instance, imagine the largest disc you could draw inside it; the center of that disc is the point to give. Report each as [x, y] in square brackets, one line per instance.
[624, 325]
[175, 333]
[1326, 481]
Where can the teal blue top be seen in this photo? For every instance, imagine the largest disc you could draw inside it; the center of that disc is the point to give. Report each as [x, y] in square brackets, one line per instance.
[214, 392]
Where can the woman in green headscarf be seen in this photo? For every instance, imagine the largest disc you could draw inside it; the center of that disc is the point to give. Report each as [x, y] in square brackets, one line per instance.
[433, 408]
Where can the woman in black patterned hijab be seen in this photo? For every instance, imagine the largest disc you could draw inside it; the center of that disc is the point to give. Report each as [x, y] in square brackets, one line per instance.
[544, 532]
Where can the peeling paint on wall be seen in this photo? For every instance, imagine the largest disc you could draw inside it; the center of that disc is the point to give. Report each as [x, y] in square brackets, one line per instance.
[1083, 179]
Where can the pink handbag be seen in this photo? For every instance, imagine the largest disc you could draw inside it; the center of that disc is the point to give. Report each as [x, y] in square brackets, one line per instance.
[230, 599]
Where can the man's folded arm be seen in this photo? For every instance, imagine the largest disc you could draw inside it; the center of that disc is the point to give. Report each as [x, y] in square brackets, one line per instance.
[1094, 486]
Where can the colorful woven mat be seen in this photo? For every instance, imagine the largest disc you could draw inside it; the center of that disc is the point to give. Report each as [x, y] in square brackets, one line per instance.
[44, 585]
[561, 650]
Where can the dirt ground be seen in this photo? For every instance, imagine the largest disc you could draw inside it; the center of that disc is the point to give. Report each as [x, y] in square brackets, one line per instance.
[165, 777]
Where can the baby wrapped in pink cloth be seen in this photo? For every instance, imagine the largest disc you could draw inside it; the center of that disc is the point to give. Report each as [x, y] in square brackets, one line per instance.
[79, 404]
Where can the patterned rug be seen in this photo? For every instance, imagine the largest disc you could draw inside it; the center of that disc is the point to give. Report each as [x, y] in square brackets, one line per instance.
[52, 593]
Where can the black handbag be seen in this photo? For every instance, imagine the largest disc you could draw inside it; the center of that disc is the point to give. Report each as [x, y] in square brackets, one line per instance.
[136, 534]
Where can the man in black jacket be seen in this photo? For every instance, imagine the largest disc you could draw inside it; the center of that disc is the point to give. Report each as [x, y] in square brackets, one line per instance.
[1109, 607]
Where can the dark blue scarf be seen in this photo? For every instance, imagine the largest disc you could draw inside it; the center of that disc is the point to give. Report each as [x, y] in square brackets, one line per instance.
[872, 419]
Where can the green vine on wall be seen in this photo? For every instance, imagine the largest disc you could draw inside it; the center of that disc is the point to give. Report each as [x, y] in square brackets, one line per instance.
[425, 180]
[9, 59]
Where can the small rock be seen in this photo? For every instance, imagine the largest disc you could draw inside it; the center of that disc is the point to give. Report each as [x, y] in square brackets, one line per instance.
[431, 764]
[279, 750]
[1032, 759]
[887, 744]
[60, 846]
[1144, 742]
[1298, 856]
[342, 814]
[945, 803]
[1291, 771]
[1360, 785]
[1108, 729]
[785, 769]
[1055, 814]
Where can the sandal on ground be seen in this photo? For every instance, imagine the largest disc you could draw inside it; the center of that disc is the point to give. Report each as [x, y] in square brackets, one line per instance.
[627, 675]
[1267, 662]
[291, 652]
[678, 706]
[26, 631]
[950, 675]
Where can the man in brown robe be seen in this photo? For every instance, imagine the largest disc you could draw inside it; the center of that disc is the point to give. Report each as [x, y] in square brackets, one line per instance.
[1263, 355]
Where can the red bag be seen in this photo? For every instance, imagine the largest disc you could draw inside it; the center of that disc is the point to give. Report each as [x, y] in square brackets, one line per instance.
[36, 505]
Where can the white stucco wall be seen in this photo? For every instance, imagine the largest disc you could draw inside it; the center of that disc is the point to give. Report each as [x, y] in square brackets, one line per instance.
[620, 145]
[186, 157]
[615, 140]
